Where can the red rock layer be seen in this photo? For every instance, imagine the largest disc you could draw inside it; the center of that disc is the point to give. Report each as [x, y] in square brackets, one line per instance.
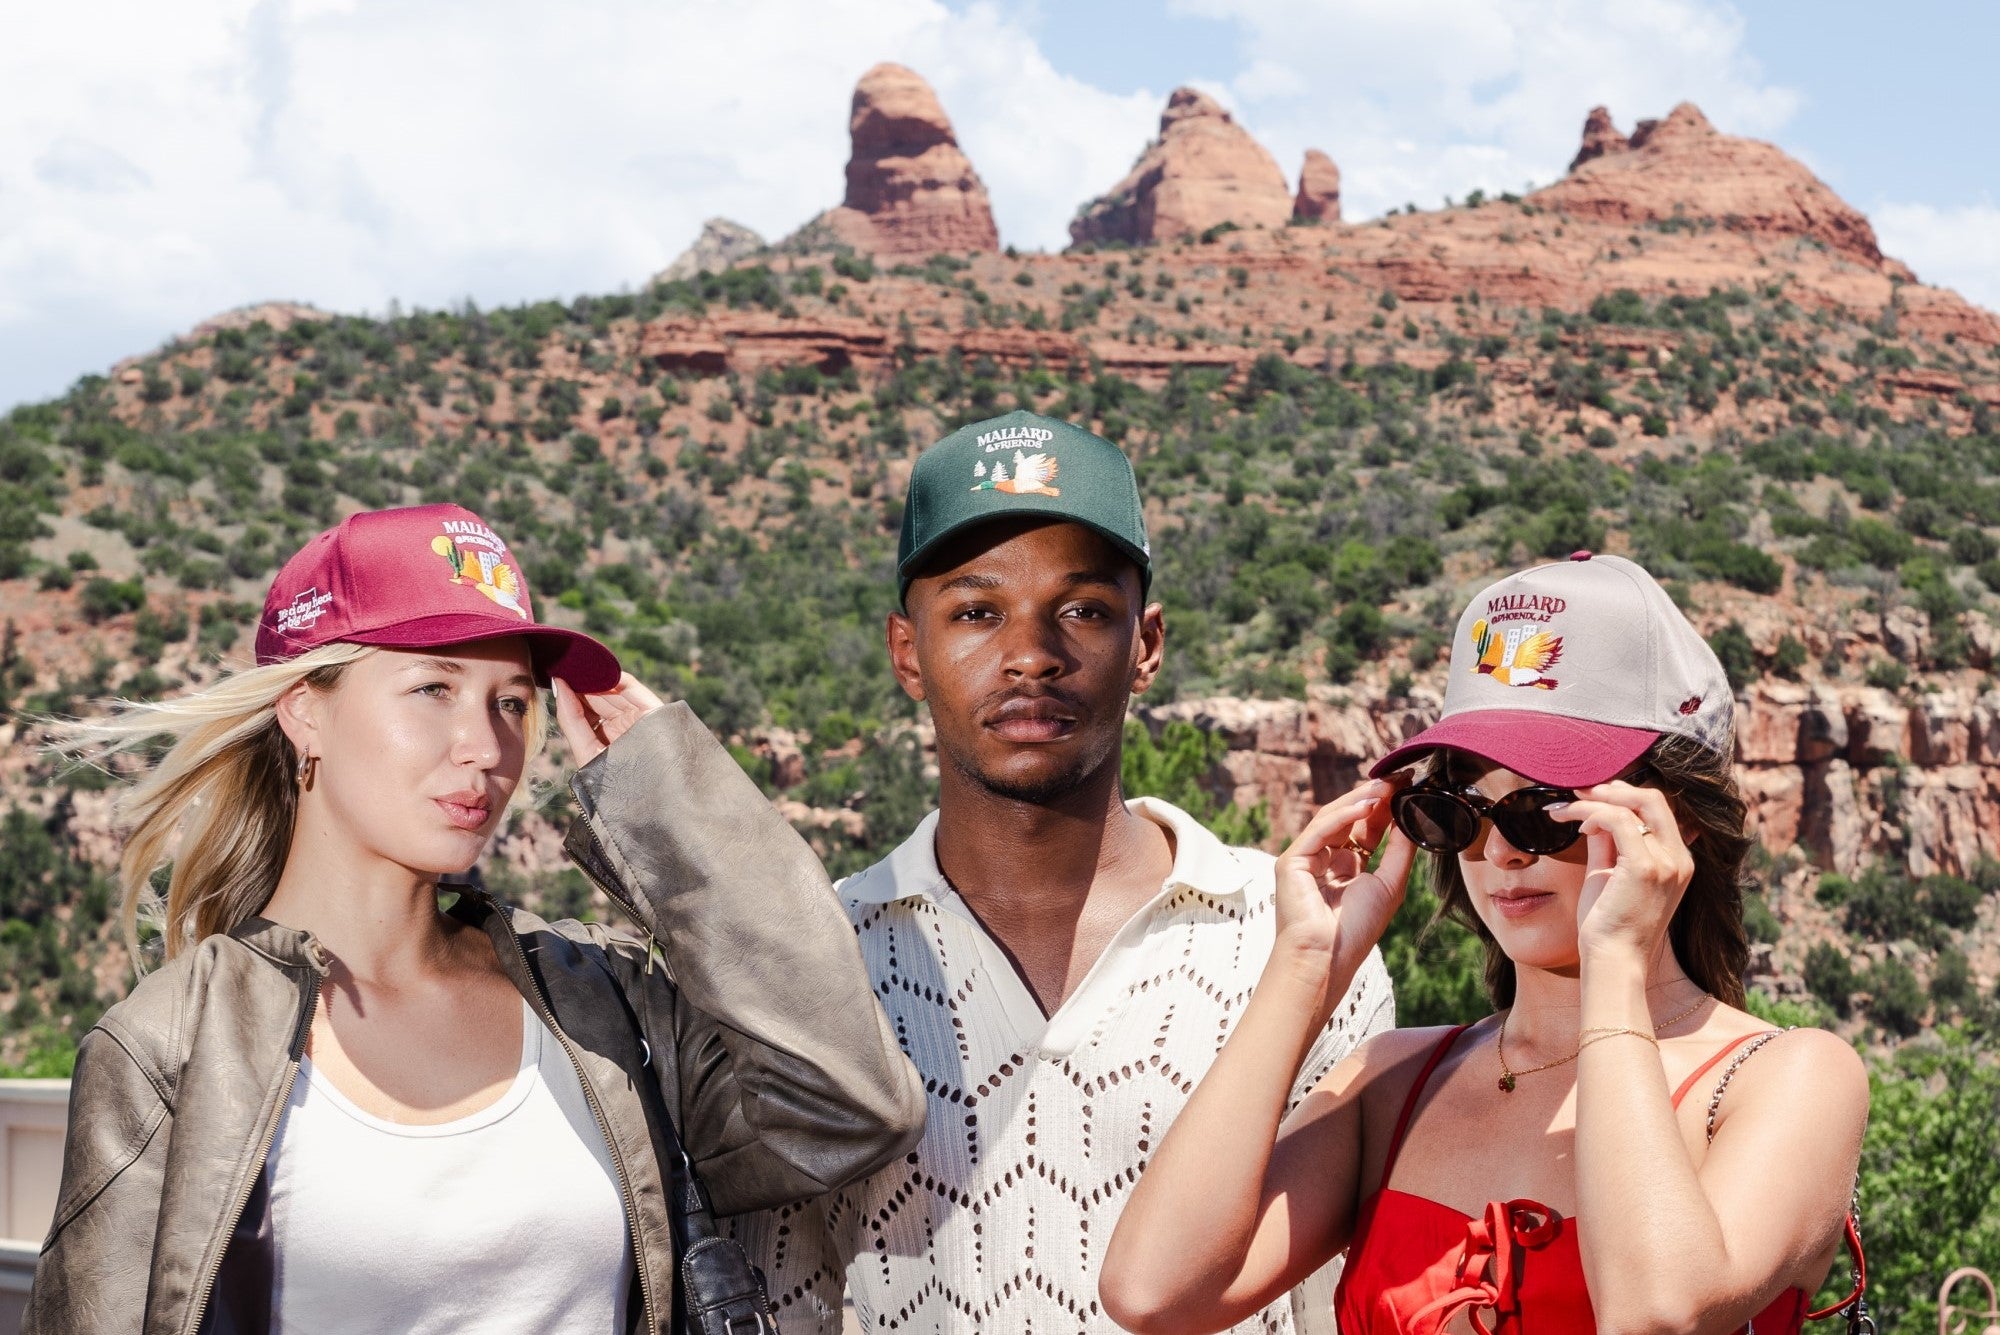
[1203, 170]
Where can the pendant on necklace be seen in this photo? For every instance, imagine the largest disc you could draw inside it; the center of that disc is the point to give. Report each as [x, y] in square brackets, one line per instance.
[1506, 1083]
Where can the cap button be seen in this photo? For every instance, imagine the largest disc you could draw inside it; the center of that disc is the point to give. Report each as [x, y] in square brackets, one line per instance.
[1581, 555]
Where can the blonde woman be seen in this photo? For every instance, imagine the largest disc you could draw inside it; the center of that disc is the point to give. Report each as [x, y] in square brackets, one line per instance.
[338, 1107]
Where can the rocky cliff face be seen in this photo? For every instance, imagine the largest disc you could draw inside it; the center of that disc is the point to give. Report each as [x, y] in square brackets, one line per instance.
[1202, 171]
[1844, 773]
[1682, 167]
[1318, 199]
[910, 190]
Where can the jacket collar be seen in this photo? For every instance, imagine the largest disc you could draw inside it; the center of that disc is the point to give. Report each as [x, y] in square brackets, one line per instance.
[287, 947]
[1202, 862]
[290, 948]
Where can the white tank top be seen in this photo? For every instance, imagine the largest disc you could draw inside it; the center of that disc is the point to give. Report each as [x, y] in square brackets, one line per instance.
[508, 1220]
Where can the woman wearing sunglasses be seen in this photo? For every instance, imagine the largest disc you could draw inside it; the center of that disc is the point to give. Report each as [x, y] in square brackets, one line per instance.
[1620, 1146]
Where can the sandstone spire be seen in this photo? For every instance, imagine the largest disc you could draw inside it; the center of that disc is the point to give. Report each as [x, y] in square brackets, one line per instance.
[1600, 136]
[910, 190]
[1203, 170]
[1319, 189]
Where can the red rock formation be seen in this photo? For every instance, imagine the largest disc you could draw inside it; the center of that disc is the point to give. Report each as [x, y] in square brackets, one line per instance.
[1600, 136]
[750, 341]
[1319, 189]
[1682, 167]
[1202, 171]
[1811, 760]
[910, 190]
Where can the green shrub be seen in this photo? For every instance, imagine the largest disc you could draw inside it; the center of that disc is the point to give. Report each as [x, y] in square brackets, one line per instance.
[1884, 906]
[1790, 658]
[104, 598]
[1951, 980]
[1887, 674]
[1895, 1001]
[1830, 977]
[1951, 901]
[1178, 769]
[1739, 659]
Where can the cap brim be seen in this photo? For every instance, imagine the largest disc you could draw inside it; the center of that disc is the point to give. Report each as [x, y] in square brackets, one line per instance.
[912, 566]
[1547, 748]
[560, 655]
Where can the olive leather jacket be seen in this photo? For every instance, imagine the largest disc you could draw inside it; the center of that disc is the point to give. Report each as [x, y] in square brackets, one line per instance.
[761, 1032]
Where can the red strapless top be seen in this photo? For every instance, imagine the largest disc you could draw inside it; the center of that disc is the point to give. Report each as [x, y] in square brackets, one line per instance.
[1415, 1263]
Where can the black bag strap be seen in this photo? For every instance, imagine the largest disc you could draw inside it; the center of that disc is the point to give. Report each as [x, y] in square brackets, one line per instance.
[717, 1291]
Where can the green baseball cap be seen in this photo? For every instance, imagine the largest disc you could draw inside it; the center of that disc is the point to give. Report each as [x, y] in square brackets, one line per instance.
[1021, 464]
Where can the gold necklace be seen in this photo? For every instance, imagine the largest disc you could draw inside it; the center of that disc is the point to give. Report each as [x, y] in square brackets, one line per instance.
[1508, 1076]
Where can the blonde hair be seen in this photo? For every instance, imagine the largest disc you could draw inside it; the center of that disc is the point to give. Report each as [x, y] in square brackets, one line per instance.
[219, 805]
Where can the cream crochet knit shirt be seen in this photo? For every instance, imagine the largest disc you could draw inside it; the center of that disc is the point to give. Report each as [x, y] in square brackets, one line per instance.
[1038, 1126]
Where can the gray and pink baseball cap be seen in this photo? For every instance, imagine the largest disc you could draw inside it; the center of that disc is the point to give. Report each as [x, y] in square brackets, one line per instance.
[422, 577]
[1568, 672]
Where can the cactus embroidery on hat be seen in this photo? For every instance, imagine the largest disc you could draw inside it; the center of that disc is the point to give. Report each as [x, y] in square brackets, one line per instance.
[486, 571]
[1517, 656]
[1031, 476]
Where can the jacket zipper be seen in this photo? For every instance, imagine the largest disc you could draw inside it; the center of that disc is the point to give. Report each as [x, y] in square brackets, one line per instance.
[594, 869]
[199, 1311]
[603, 1127]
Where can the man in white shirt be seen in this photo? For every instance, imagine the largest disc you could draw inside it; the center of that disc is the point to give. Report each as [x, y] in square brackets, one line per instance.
[1060, 964]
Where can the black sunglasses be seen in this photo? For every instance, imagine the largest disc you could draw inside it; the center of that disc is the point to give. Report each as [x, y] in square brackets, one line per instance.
[1442, 819]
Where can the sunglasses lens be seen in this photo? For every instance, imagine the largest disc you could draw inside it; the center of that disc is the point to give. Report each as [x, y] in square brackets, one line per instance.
[1435, 821]
[1524, 821]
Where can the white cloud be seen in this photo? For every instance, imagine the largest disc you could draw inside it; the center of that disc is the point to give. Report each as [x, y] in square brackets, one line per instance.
[160, 163]
[1958, 247]
[350, 152]
[1419, 101]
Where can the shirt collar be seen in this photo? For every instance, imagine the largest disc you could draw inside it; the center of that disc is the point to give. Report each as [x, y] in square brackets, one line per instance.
[1201, 861]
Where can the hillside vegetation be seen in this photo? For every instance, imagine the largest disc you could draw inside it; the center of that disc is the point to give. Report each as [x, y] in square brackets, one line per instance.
[708, 475]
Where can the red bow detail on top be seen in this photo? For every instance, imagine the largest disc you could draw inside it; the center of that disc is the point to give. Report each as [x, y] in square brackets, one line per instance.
[1498, 1242]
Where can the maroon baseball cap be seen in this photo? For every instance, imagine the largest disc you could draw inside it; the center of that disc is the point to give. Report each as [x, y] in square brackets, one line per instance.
[418, 578]
[1568, 672]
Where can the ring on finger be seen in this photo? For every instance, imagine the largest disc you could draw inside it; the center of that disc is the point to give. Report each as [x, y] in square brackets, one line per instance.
[1354, 845]
[1644, 828]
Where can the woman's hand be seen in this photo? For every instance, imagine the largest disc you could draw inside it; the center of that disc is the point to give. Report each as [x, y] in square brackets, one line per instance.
[591, 723]
[1331, 908]
[1639, 868]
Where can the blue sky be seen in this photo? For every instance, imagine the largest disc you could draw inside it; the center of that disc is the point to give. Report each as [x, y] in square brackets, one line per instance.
[159, 164]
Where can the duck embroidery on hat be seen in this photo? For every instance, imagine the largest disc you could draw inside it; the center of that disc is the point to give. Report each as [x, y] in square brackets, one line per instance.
[1520, 656]
[484, 571]
[1032, 475]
